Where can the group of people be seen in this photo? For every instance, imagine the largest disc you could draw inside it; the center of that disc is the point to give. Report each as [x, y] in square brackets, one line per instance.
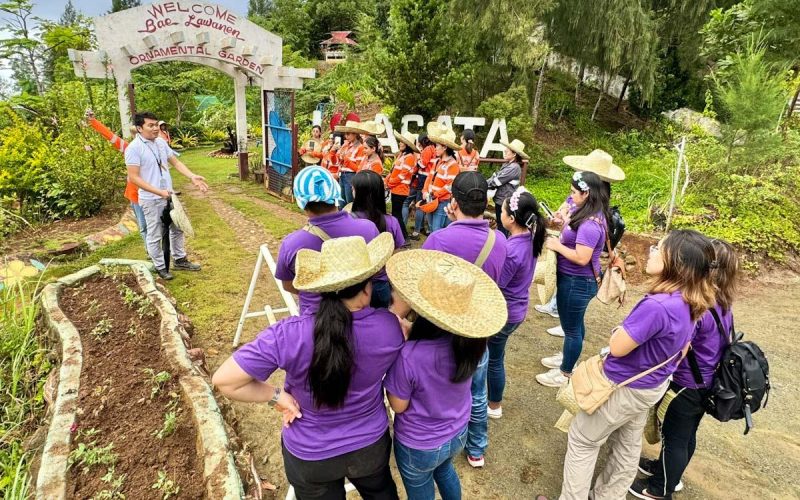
[424, 331]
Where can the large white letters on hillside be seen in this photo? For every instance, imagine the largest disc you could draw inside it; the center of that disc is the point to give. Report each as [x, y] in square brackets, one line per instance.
[467, 122]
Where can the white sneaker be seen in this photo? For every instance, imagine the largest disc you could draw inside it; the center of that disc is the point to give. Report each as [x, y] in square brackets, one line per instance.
[553, 378]
[553, 361]
[542, 308]
[498, 413]
[556, 331]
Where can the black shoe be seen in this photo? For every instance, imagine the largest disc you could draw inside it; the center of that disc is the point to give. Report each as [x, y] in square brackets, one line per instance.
[647, 466]
[165, 275]
[184, 265]
[639, 490]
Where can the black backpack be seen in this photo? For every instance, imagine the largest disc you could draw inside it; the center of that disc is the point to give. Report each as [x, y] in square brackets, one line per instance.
[617, 227]
[741, 380]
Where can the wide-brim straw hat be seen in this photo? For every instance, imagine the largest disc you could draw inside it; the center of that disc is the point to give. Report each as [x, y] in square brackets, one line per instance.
[442, 134]
[516, 146]
[370, 127]
[179, 217]
[448, 291]
[349, 126]
[310, 159]
[599, 162]
[342, 262]
[408, 139]
[544, 275]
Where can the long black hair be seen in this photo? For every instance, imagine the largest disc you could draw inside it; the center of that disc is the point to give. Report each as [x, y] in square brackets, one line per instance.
[332, 363]
[468, 352]
[423, 140]
[597, 201]
[373, 142]
[528, 215]
[370, 197]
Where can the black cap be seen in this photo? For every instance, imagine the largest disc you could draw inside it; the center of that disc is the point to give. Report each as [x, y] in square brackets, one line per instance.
[470, 186]
[468, 134]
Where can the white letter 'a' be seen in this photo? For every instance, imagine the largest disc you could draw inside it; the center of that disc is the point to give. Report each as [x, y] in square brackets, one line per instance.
[389, 140]
[498, 125]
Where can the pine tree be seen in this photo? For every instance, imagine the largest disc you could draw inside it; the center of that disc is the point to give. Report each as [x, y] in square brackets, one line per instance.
[259, 8]
[70, 16]
[118, 5]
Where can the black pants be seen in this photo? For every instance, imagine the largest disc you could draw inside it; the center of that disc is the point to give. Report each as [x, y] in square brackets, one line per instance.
[397, 212]
[367, 469]
[679, 433]
[498, 209]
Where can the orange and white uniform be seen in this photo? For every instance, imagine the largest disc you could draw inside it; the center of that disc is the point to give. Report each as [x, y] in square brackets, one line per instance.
[351, 157]
[373, 163]
[131, 189]
[329, 158]
[440, 184]
[468, 162]
[399, 179]
[427, 160]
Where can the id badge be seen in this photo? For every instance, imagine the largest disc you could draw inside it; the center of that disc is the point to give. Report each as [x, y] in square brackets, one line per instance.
[162, 184]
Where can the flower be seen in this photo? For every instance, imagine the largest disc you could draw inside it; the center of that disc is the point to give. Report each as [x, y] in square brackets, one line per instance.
[513, 202]
[578, 178]
[15, 272]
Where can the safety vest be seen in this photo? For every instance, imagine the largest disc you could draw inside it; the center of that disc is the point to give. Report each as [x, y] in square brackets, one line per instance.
[399, 179]
[440, 184]
[371, 163]
[468, 162]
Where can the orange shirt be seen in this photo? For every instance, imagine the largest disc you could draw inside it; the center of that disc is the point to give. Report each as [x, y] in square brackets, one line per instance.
[373, 163]
[352, 157]
[399, 179]
[427, 160]
[440, 184]
[330, 159]
[468, 161]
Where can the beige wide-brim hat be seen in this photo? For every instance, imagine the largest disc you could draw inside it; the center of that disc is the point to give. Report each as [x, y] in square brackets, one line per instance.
[179, 217]
[516, 146]
[342, 262]
[599, 162]
[310, 159]
[408, 139]
[442, 134]
[448, 291]
[370, 127]
[349, 126]
[544, 275]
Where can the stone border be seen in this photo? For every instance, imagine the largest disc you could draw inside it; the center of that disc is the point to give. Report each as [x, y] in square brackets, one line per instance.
[220, 475]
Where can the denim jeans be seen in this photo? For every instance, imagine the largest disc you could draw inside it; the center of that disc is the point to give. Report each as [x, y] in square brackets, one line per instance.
[419, 469]
[478, 437]
[573, 294]
[346, 183]
[497, 354]
[414, 196]
[140, 221]
[439, 218]
[381, 294]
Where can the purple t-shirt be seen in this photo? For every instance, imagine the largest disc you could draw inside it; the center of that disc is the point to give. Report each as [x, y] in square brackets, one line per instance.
[328, 432]
[465, 239]
[336, 225]
[393, 228]
[707, 345]
[590, 233]
[662, 325]
[438, 409]
[515, 280]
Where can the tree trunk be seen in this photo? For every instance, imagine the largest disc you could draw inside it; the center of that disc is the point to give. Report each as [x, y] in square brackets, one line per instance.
[581, 75]
[622, 94]
[597, 104]
[538, 95]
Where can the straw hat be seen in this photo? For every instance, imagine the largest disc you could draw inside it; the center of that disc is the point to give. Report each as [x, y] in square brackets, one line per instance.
[516, 146]
[179, 217]
[544, 276]
[310, 159]
[408, 139]
[442, 134]
[370, 127]
[342, 262]
[599, 162]
[448, 291]
[349, 126]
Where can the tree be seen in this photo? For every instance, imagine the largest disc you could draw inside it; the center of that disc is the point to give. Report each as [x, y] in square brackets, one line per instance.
[259, 8]
[72, 31]
[21, 48]
[118, 5]
[70, 16]
[289, 20]
[337, 15]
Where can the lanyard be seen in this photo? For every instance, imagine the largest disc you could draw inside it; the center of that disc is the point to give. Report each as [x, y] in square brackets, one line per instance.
[157, 157]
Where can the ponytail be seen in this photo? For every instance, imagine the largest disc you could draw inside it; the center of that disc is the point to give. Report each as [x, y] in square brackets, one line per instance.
[332, 362]
[528, 215]
[467, 352]
[373, 142]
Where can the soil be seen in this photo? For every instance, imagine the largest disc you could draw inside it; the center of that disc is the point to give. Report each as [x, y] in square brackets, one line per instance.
[115, 403]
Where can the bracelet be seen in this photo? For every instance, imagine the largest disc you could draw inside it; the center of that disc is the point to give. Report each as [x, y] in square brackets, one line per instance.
[274, 400]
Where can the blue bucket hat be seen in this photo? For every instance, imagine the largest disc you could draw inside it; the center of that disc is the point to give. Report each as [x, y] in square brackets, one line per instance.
[315, 183]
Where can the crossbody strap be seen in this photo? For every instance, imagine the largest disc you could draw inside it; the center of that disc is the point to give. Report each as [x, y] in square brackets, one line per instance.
[486, 250]
[720, 328]
[647, 372]
[316, 231]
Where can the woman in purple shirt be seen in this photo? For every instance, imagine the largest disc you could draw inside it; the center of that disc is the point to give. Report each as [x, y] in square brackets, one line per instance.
[369, 202]
[429, 386]
[525, 226]
[644, 351]
[578, 254]
[679, 429]
[335, 422]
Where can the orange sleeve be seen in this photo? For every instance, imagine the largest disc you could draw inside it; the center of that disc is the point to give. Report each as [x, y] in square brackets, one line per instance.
[114, 139]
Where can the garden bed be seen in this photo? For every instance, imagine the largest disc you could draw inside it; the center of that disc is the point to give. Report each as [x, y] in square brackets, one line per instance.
[134, 417]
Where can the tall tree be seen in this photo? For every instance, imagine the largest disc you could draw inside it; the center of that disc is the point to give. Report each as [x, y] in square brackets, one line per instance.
[70, 16]
[21, 48]
[259, 8]
[289, 19]
[118, 5]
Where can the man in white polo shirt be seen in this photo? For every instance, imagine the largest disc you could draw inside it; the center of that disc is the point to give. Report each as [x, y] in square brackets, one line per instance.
[148, 157]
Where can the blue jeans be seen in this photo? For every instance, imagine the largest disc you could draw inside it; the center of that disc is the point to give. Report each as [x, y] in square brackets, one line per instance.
[346, 183]
[414, 196]
[497, 355]
[420, 468]
[573, 295]
[478, 437]
[140, 221]
[381, 294]
[439, 218]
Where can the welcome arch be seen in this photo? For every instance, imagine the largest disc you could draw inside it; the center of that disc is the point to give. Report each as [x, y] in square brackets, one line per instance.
[196, 32]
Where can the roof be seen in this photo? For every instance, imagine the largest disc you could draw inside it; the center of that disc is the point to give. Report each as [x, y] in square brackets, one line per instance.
[339, 38]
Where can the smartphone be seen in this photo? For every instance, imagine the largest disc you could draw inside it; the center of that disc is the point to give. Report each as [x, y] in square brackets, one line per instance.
[547, 211]
[338, 141]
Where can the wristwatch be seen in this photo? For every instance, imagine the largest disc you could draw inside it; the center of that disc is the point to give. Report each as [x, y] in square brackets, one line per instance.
[274, 400]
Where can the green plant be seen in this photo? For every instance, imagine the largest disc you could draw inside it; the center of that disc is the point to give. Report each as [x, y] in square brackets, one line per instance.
[103, 328]
[136, 301]
[115, 486]
[157, 380]
[169, 426]
[166, 485]
[183, 139]
[89, 455]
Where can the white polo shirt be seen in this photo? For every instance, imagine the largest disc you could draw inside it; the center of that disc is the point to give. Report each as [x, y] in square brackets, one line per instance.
[147, 155]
